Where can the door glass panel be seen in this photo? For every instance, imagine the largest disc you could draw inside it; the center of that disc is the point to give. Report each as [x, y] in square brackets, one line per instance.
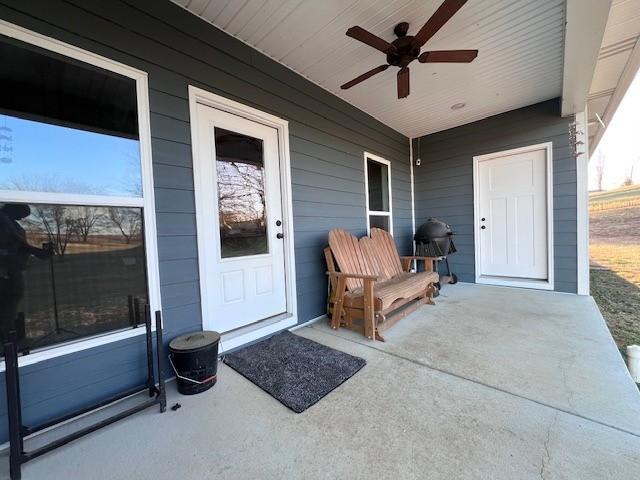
[241, 194]
[378, 180]
[379, 221]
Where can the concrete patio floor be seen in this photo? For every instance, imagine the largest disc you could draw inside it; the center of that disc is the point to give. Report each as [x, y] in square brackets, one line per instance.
[489, 383]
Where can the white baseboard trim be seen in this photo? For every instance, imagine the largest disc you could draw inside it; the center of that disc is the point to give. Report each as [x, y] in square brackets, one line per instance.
[228, 344]
[307, 323]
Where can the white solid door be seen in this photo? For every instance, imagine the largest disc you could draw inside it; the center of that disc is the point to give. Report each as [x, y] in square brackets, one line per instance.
[240, 198]
[512, 215]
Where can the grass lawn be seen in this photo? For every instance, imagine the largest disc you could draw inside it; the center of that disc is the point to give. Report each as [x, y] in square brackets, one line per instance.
[630, 193]
[615, 286]
[615, 263]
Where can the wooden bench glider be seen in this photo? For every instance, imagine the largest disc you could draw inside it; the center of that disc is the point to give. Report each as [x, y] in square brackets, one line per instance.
[370, 282]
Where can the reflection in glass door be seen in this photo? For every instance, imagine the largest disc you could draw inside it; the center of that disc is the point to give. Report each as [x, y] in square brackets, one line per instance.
[240, 197]
[241, 194]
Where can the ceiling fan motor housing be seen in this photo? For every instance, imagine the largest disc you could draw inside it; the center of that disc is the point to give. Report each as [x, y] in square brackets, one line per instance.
[405, 53]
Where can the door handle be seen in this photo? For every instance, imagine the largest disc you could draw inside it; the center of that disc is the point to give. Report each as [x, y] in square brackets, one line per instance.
[280, 235]
[483, 227]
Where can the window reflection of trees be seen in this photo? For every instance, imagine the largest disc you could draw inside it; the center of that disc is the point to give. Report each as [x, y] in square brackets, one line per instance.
[241, 194]
[128, 221]
[99, 263]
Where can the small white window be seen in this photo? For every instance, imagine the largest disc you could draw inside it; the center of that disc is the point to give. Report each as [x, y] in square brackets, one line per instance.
[377, 178]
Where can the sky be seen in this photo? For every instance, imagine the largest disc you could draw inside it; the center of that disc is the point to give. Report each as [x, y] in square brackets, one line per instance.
[620, 144]
[44, 157]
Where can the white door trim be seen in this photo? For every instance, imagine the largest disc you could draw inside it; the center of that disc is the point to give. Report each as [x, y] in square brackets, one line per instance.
[538, 284]
[204, 223]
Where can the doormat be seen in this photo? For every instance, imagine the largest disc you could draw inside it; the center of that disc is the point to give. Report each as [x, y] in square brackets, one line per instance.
[294, 370]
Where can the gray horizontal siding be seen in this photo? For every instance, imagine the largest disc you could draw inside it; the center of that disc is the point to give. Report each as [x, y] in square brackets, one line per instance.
[444, 180]
[327, 139]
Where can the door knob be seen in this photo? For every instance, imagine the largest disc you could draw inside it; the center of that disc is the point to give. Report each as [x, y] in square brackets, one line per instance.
[482, 219]
[278, 223]
[483, 227]
[279, 235]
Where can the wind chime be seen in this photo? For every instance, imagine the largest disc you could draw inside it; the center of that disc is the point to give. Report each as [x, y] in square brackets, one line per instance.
[575, 134]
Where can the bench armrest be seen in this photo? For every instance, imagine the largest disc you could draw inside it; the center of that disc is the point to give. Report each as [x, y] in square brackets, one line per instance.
[353, 275]
[417, 257]
[407, 259]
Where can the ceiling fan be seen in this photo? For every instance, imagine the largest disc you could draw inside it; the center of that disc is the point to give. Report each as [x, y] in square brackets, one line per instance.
[406, 48]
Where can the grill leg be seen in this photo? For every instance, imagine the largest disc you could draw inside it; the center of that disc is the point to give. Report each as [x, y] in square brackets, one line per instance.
[446, 261]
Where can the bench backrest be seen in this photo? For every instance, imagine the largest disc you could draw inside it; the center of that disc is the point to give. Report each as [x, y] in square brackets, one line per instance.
[383, 248]
[350, 257]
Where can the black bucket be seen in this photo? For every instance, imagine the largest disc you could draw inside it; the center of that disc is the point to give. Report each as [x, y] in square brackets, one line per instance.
[194, 358]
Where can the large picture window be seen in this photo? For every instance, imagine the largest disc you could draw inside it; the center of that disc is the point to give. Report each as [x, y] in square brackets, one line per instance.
[378, 191]
[74, 238]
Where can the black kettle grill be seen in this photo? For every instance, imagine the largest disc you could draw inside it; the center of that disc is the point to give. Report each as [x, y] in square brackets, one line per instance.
[434, 238]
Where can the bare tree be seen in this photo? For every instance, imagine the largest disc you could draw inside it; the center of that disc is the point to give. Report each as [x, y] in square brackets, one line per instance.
[600, 162]
[84, 222]
[241, 191]
[628, 177]
[60, 223]
[58, 226]
[51, 183]
[128, 221]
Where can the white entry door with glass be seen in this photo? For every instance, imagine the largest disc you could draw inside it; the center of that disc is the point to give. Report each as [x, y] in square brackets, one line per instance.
[240, 230]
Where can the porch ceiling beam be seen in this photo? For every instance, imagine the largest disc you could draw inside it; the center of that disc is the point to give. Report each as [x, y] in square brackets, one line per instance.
[585, 24]
[628, 74]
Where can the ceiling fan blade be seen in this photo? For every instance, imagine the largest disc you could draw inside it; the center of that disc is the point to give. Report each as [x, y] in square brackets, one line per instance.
[448, 56]
[441, 16]
[364, 76]
[403, 82]
[370, 39]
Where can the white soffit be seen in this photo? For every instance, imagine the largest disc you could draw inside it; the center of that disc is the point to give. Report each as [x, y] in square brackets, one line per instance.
[521, 44]
[617, 65]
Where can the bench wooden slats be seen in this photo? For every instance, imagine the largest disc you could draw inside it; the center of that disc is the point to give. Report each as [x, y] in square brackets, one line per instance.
[386, 250]
[350, 257]
[371, 283]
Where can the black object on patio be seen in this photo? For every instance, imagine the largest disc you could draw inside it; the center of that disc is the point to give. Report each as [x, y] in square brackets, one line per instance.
[434, 238]
[194, 359]
[294, 370]
[18, 431]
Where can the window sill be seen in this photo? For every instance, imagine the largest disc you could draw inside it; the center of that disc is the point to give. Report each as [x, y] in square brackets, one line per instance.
[69, 348]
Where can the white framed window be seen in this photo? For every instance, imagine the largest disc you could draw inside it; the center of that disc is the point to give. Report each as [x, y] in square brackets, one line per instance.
[77, 218]
[377, 182]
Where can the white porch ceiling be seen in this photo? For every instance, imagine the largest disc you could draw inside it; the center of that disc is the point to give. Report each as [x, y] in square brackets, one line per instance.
[618, 63]
[520, 60]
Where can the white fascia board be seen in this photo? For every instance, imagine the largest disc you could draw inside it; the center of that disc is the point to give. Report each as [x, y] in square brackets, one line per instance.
[585, 24]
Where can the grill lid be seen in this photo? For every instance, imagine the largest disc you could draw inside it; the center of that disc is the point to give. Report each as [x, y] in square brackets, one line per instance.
[431, 229]
[434, 238]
